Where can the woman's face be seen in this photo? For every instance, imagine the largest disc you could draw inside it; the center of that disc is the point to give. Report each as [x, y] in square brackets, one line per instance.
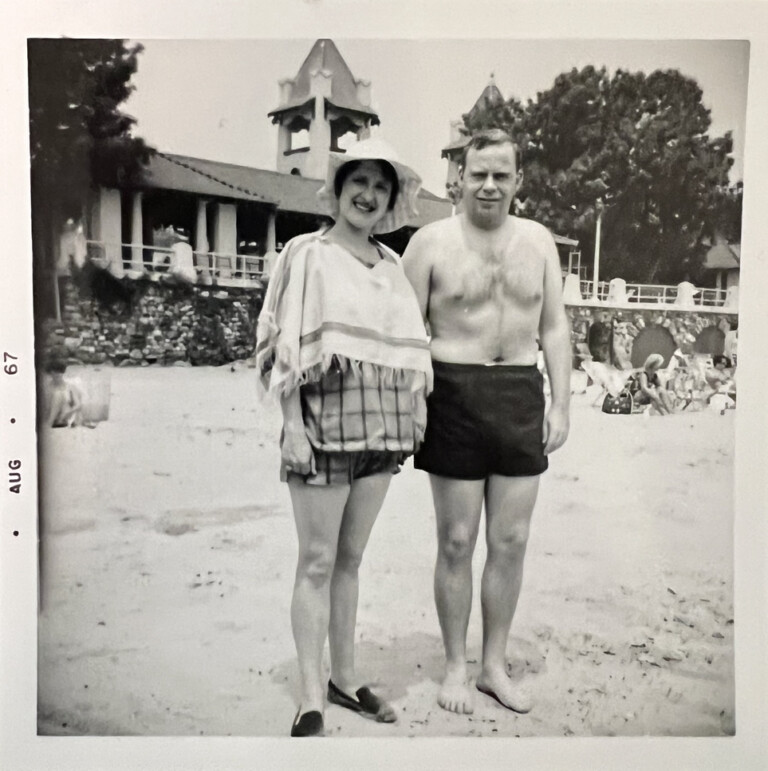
[364, 196]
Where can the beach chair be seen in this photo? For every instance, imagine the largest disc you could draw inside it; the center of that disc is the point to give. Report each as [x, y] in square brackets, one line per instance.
[611, 380]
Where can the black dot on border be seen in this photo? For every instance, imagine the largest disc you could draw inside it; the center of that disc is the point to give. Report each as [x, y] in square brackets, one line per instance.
[15, 532]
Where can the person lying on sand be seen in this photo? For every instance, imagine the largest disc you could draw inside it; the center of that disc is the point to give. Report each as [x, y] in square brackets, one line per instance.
[719, 377]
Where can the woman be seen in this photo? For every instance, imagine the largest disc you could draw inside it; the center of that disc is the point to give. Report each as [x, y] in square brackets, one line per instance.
[650, 389]
[341, 342]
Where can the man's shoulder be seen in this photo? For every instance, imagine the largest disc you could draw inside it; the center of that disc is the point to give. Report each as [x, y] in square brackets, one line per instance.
[429, 240]
[434, 231]
[531, 228]
[538, 235]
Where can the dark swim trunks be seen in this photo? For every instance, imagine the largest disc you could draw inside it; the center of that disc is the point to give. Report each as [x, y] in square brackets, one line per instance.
[484, 420]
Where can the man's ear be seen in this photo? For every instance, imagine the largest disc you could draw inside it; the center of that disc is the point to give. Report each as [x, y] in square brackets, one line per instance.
[519, 178]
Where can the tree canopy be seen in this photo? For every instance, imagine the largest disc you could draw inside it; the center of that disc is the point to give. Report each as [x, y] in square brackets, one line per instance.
[636, 147]
[78, 135]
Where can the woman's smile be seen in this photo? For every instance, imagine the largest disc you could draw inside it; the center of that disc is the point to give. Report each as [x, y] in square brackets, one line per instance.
[364, 196]
[365, 206]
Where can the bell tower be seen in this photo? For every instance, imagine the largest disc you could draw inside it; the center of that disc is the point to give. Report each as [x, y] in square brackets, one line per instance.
[326, 101]
[453, 151]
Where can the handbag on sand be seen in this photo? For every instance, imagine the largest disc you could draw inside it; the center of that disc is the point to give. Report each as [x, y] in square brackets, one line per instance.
[621, 404]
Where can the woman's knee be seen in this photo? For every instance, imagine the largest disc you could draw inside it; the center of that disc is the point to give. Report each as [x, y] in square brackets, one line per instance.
[316, 563]
[348, 559]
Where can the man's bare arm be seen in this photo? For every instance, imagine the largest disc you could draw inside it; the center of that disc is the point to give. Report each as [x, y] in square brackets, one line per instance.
[418, 269]
[555, 336]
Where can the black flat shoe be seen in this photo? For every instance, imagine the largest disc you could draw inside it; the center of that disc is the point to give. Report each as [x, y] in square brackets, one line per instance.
[367, 703]
[308, 724]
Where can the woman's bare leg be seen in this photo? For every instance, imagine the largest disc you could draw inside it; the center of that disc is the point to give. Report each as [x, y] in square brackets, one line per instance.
[318, 514]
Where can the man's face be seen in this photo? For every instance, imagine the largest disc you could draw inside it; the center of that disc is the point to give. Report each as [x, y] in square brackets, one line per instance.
[489, 180]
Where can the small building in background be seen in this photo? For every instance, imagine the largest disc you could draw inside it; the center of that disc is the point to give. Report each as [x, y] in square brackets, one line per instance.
[724, 260]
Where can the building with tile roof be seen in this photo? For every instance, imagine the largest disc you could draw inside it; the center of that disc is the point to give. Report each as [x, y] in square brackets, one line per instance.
[724, 260]
[232, 216]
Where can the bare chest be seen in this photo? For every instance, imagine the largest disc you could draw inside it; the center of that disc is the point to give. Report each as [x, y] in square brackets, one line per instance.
[510, 275]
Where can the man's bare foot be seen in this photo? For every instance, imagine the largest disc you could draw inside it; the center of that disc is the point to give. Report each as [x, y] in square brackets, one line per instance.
[509, 694]
[454, 694]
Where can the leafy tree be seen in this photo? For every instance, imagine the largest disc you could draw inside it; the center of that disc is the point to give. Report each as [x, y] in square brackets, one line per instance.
[727, 220]
[78, 138]
[636, 148]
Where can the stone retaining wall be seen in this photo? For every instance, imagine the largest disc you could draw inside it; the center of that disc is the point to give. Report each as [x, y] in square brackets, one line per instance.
[160, 324]
[167, 323]
[686, 328]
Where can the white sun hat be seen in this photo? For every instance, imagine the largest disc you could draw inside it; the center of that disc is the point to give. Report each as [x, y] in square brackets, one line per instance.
[403, 212]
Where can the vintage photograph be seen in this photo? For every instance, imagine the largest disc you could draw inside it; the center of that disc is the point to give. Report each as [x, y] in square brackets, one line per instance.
[386, 388]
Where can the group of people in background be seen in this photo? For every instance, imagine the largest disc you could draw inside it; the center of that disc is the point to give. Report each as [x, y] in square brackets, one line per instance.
[675, 388]
[374, 359]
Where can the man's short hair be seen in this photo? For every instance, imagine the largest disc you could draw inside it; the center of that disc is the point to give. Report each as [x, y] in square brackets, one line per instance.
[487, 138]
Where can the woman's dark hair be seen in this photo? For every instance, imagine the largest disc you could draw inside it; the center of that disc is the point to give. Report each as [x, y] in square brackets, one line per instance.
[720, 359]
[386, 169]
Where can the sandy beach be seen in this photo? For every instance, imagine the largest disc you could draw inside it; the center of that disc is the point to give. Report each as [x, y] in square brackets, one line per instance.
[169, 549]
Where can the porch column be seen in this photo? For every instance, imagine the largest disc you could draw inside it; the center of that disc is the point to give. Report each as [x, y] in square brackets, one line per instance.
[137, 233]
[271, 243]
[225, 238]
[107, 228]
[201, 241]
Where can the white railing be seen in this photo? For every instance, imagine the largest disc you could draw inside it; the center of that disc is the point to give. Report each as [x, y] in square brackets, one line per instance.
[658, 294]
[222, 268]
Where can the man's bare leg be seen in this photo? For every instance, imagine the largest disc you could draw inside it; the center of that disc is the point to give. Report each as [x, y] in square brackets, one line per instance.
[509, 506]
[458, 505]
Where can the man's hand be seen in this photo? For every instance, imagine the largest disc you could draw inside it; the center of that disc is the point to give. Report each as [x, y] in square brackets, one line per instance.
[297, 452]
[556, 425]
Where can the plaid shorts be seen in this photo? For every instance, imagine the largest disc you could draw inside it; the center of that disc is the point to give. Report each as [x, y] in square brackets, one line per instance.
[351, 409]
[342, 468]
[359, 421]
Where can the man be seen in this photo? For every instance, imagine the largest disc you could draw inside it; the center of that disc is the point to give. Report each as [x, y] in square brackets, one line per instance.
[489, 286]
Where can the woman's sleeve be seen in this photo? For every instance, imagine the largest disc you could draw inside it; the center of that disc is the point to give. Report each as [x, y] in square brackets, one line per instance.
[279, 324]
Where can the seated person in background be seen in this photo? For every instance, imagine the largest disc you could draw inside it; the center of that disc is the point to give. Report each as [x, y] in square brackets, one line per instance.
[649, 389]
[731, 331]
[683, 354]
[65, 398]
[719, 378]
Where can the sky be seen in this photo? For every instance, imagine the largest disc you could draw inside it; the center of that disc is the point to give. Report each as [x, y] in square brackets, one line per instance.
[210, 98]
